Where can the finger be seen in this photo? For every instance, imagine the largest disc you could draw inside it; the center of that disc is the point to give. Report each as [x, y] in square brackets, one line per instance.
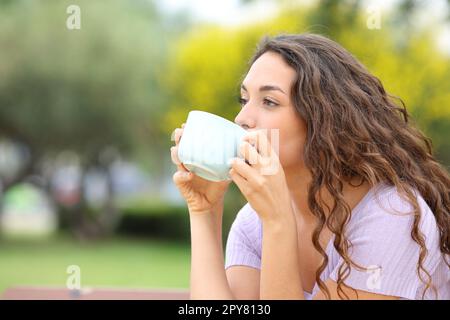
[180, 177]
[176, 135]
[174, 155]
[246, 171]
[176, 160]
[238, 180]
[250, 153]
[259, 139]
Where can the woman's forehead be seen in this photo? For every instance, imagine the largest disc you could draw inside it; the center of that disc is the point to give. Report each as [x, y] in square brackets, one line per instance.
[269, 68]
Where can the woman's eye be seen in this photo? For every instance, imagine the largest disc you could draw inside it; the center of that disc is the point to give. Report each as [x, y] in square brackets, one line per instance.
[266, 102]
[242, 101]
[270, 103]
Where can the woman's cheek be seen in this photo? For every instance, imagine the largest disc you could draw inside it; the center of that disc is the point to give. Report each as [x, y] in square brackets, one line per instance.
[287, 156]
[290, 154]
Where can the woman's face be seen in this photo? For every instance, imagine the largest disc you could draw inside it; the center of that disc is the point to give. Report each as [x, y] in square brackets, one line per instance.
[266, 104]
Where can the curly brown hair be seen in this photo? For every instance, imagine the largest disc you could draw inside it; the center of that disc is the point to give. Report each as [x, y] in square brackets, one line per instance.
[340, 100]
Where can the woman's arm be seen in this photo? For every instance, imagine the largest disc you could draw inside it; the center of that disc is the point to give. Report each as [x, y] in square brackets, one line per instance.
[208, 277]
[204, 200]
[280, 277]
[263, 184]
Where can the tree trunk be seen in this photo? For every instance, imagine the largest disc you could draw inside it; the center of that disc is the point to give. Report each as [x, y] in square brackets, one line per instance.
[94, 226]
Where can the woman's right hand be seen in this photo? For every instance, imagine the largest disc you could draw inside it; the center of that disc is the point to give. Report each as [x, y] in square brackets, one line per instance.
[201, 195]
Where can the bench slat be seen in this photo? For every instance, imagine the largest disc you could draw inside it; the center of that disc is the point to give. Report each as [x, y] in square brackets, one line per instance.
[57, 293]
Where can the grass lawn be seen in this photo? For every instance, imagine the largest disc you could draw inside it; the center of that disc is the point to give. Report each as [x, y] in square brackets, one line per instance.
[117, 262]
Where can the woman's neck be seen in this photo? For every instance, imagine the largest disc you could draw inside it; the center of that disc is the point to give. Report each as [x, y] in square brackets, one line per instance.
[298, 180]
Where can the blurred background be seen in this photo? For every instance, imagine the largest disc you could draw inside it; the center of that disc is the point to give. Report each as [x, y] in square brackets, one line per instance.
[86, 116]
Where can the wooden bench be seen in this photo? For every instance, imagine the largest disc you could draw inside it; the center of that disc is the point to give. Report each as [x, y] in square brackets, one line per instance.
[60, 293]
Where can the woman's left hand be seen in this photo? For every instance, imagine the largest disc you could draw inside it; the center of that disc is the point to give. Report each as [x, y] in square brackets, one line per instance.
[261, 179]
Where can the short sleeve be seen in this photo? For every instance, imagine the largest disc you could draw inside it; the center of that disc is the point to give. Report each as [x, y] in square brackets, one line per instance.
[244, 240]
[381, 242]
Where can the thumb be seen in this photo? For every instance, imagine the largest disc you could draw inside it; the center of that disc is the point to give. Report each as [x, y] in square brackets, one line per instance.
[181, 177]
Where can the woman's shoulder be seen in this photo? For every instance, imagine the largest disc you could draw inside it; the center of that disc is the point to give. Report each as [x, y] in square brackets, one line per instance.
[388, 216]
[386, 201]
[248, 223]
[247, 216]
[380, 232]
[244, 244]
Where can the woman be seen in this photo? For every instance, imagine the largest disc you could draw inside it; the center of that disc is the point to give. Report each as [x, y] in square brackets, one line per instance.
[359, 208]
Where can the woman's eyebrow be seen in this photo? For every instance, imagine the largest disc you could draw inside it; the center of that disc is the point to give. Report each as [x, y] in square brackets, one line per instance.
[265, 88]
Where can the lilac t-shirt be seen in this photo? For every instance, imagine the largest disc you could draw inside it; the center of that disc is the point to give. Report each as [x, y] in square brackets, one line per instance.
[380, 233]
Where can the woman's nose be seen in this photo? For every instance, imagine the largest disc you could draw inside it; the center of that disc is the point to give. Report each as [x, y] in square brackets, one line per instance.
[245, 119]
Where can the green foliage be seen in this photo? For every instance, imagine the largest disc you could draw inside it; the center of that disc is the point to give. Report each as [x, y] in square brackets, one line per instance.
[80, 89]
[208, 64]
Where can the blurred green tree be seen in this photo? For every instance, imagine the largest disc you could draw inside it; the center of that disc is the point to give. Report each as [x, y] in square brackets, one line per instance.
[83, 90]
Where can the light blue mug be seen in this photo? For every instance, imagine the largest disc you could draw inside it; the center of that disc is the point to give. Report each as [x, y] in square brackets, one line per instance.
[208, 144]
